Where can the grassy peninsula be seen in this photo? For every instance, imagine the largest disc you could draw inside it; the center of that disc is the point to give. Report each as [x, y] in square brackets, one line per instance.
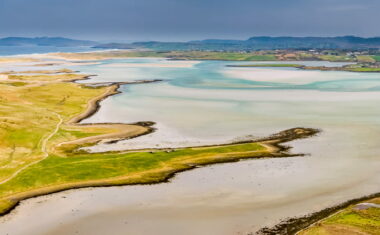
[41, 140]
[356, 216]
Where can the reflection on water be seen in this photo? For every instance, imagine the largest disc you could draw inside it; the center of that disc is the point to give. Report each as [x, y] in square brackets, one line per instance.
[209, 103]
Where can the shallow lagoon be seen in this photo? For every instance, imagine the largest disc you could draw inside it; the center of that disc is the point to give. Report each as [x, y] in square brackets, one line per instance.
[210, 103]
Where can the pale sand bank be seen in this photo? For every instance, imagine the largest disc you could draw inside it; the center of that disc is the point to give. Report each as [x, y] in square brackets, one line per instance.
[62, 63]
[164, 64]
[163, 137]
[291, 76]
[7, 60]
[229, 198]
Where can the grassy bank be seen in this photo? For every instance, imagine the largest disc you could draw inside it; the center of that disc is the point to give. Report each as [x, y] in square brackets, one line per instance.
[178, 55]
[278, 55]
[362, 62]
[359, 216]
[355, 219]
[266, 66]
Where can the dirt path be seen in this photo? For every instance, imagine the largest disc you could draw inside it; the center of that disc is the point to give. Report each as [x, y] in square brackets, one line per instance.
[124, 131]
[43, 150]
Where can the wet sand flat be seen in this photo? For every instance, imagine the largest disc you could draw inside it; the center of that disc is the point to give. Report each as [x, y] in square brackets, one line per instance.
[228, 198]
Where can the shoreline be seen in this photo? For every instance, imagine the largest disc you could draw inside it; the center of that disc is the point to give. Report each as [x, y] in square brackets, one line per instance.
[275, 140]
[295, 225]
[95, 106]
[272, 148]
[92, 107]
[307, 68]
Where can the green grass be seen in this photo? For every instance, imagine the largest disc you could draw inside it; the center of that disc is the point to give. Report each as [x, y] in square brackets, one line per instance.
[27, 116]
[17, 84]
[81, 167]
[335, 58]
[376, 58]
[349, 221]
[233, 56]
[45, 77]
[363, 69]
[135, 167]
[365, 59]
[269, 55]
[67, 134]
[184, 55]
[270, 65]
[261, 58]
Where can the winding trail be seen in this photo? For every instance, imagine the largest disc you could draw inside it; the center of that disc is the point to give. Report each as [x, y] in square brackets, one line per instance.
[43, 150]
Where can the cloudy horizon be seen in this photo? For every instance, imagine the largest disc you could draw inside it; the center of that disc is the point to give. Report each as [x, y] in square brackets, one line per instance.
[169, 20]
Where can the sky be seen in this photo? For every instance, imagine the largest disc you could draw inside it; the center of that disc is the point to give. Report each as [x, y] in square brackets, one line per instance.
[182, 20]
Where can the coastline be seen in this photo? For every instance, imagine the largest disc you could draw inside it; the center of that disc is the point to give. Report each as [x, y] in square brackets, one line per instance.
[274, 141]
[94, 104]
[293, 226]
[311, 68]
[125, 132]
[93, 108]
[272, 148]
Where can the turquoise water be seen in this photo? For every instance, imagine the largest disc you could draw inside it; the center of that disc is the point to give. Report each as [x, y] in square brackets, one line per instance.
[208, 75]
[211, 103]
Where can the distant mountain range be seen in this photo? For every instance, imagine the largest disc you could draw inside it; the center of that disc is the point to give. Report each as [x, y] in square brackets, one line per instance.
[257, 43]
[253, 43]
[114, 45]
[44, 41]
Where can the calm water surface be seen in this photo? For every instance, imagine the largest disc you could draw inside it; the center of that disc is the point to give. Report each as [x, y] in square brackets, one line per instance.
[211, 103]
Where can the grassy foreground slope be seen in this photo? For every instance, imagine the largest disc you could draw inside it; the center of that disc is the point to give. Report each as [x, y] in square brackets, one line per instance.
[35, 116]
[29, 113]
[41, 140]
[356, 219]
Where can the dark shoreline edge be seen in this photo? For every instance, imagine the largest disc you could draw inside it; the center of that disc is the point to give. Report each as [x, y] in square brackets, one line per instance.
[114, 89]
[277, 140]
[114, 86]
[287, 227]
[295, 225]
[290, 226]
[304, 67]
[274, 140]
[94, 108]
